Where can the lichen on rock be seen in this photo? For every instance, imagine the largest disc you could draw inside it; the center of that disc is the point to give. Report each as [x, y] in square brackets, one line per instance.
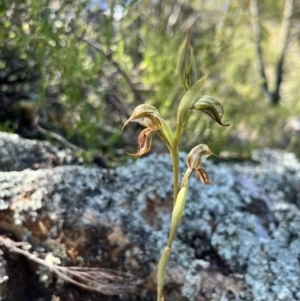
[238, 239]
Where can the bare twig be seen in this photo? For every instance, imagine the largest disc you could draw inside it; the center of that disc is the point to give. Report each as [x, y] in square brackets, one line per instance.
[104, 281]
[273, 96]
[285, 30]
[108, 56]
[59, 138]
[257, 39]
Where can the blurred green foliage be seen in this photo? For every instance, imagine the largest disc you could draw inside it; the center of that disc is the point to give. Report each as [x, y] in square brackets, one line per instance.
[86, 64]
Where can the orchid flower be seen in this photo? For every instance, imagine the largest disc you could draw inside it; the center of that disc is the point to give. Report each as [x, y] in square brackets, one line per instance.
[149, 117]
[194, 161]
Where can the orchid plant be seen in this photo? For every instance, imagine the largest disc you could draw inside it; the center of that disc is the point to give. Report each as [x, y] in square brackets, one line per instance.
[149, 117]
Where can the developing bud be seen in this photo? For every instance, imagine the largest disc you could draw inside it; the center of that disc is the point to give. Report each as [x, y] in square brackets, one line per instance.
[186, 67]
[211, 107]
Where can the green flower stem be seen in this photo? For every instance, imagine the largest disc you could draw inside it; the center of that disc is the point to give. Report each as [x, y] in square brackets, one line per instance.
[176, 218]
[175, 161]
[179, 206]
[161, 272]
[175, 164]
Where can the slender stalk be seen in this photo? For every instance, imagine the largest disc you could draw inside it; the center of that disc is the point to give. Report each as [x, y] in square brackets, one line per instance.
[175, 157]
[175, 164]
[171, 237]
[161, 272]
[181, 199]
[175, 161]
[176, 218]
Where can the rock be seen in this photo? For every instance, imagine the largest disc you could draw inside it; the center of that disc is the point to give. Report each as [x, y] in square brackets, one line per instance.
[238, 240]
[17, 154]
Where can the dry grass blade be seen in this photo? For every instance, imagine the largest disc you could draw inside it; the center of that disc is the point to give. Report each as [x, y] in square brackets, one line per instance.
[104, 281]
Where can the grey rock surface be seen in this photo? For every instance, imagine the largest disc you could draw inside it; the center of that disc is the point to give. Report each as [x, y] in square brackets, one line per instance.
[18, 154]
[238, 240]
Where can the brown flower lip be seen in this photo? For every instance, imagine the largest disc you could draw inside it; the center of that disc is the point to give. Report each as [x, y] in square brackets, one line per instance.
[202, 176]
[149, 117]
[144, 143]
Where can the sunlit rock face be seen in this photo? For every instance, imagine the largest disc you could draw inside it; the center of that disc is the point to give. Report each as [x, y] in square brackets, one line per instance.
[238, 240]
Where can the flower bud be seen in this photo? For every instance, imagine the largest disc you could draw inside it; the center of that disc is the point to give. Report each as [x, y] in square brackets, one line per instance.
[211, 107]
[186, 67]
